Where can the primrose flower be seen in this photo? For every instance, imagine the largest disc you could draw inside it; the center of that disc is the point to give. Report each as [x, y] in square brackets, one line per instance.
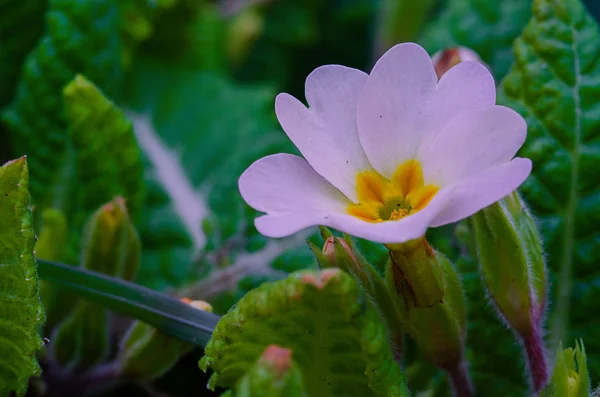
[389, 154]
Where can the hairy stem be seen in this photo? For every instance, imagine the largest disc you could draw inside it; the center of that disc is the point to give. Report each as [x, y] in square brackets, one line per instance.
[536, 359]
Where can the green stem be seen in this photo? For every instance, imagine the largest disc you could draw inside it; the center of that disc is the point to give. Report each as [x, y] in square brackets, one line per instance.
[161, 311]
[560, 325]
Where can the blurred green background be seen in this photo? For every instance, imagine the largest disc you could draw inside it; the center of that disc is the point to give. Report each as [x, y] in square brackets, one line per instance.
[198, 79]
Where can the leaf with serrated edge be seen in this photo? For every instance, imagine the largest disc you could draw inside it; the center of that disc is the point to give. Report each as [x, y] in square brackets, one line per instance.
[21, 313]
[319, 317]
[554, 84]
[106, 153]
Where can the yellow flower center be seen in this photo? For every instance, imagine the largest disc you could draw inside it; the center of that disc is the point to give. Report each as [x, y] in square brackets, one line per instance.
[381, 199]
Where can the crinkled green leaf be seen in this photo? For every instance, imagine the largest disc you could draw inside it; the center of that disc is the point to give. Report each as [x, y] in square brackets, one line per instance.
[275, 374]
[21, 25]
[81, 36]
[340, 350]
[488, 27]
[21, 313]
[107, 158]
[554, 85]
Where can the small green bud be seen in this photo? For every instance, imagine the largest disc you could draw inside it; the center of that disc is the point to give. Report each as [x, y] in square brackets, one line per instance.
[570, 376]
[510, 254]
[274, 375]
[509, 250]
[110, 243]
[243, 30]
[146, 353]
[416, 269]
[340, 254]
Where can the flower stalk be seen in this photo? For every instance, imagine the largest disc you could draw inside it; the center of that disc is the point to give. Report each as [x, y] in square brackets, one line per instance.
[439, 329]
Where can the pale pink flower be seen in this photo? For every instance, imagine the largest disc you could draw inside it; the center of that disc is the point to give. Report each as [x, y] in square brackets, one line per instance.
[390, 154]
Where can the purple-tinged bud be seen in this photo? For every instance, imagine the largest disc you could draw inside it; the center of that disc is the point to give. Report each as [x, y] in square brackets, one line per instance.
[509, 250]
[444, 60]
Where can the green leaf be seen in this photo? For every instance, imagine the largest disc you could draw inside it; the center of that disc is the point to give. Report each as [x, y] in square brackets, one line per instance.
[197, 220]
[488, 27]
[275, 374]
[161, 311]
[320, 318]
[21, 313]
[80, 37]
[107, 158]
[553, 84]
[21, 25]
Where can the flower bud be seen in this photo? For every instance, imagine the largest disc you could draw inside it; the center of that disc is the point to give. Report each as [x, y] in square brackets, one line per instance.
[510, 254]
[146, 353]
[341, 255]
[274, 375]
[444, 60]
[110, 243]
[242, 32]
[570, 376]
[415, 267]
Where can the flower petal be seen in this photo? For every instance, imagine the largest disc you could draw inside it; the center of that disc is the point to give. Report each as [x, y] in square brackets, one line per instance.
[483, 189]
[472, 142]
[405, 229]
[392, 107]
[465, 87]
[284, 183]
[326, 132]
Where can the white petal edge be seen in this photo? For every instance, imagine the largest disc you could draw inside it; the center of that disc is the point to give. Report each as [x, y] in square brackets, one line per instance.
[483, 189]
[326, 133]
[471, 142]
[284, 183]
[467, 86]
[400, 231]
[391, 111]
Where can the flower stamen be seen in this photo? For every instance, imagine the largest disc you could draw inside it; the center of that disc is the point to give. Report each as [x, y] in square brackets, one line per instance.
[381, 199]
